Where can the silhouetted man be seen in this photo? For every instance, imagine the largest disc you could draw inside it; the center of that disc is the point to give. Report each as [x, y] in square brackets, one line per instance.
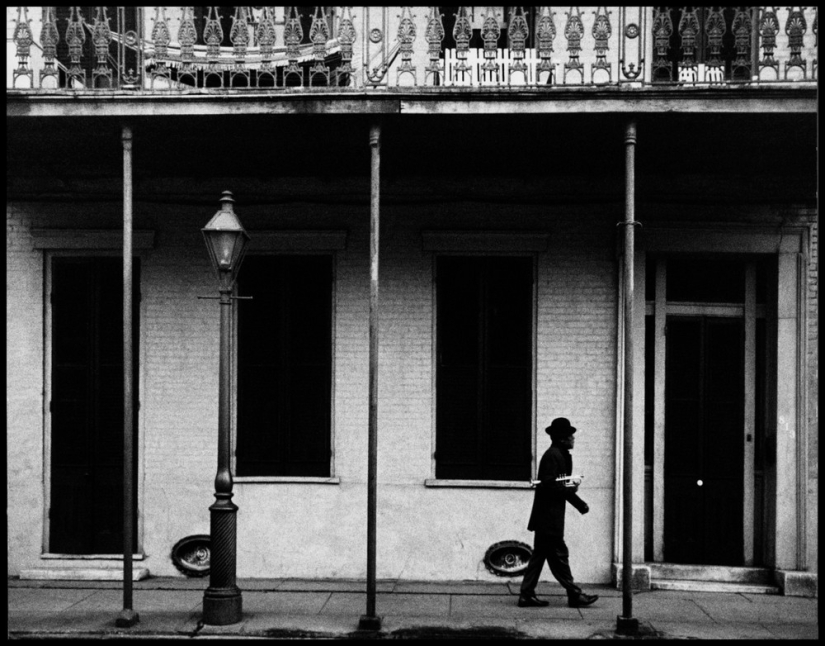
[547, 519]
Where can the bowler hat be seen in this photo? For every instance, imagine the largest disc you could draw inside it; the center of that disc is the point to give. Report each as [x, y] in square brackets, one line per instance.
[559, 428]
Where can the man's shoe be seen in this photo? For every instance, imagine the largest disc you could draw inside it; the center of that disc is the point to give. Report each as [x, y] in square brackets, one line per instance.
[581, 600]
[531, 602]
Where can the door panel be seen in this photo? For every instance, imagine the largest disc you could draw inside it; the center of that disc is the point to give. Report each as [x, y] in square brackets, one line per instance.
[86, 515]
[704, 414]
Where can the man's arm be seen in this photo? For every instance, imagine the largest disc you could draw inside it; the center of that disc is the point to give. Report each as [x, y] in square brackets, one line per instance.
[549, 470]
[578, 503]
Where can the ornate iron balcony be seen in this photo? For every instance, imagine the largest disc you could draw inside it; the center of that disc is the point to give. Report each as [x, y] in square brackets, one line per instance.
[161, 50]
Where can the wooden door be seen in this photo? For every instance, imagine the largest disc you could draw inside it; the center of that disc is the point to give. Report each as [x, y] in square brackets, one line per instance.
[86, 502]
[704, 391]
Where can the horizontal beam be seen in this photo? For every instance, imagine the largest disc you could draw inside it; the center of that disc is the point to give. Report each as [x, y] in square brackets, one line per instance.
[784, 98]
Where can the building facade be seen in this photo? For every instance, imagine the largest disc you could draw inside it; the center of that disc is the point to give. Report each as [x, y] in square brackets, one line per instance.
[504, 142]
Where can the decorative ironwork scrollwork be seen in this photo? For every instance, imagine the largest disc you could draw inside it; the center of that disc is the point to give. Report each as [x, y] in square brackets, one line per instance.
[688, 31]
[187, 35]
[573, 32]
[631, 28]
[318, 36]
[517, 33]
[545, 34]
[75, 38]
[239, 37]
[406, 37]
[434, 35]
[101, 37]
[160, 40]
[768, 28]
[23, 38]
[715, 29]
[160, 33]
[293, 35]
[795, 28]
[213, 37]
[346, 38]
[490, 33]
[602, 30]
[49, 37]
[662, 31]
[265, 36]
[462, 32]
[742, 32]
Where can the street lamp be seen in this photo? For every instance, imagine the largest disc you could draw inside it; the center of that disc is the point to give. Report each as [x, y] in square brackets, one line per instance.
[226, 240]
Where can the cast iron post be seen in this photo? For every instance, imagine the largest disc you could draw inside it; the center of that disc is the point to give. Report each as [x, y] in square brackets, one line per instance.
[625, 623]
[222, 601]
[128, 617]
[370, 621]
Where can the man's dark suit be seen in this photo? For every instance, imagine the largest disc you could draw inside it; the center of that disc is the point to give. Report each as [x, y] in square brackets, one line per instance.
[547, 520]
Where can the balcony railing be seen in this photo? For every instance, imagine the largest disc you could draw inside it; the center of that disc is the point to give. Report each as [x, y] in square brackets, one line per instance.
[276, 49]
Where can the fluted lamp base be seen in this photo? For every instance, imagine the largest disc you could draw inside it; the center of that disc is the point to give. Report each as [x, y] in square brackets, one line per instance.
[127, 618]
[369, 622]
[222, 606]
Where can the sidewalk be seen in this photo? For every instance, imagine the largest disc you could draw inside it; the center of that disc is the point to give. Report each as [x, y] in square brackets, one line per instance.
[280, 608]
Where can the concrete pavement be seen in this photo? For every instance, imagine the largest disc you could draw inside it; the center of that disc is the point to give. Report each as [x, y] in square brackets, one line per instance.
[171, 608]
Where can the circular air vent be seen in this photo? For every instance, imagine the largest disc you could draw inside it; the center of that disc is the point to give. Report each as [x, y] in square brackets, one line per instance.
[191, 555]
[508, 558]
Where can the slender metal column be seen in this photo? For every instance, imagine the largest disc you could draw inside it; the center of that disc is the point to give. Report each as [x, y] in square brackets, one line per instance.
[222, 600]
[625, 623]
[128, 617]
[370, 621]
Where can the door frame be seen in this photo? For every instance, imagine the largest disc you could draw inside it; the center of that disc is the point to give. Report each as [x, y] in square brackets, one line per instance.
[749, 311]
[785, 538]
[48, 257]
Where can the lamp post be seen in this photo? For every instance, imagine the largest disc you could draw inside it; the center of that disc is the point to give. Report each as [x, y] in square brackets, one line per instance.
[226, 240]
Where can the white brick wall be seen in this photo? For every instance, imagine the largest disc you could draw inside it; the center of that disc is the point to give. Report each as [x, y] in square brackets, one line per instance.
[314, 530]
[24, 391]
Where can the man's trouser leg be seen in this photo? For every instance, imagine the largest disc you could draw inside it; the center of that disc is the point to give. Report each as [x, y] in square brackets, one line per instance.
[558, 557]
[534, 565]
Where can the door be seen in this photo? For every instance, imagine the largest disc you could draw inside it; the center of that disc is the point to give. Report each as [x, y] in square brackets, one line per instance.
[703, 474]
[86, 501]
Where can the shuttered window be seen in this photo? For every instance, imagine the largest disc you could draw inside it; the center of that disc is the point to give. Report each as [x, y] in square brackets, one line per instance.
[284, 366]
[484, 368]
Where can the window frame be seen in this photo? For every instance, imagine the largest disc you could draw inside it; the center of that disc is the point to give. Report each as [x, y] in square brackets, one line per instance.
[487, 248]
[288, 250]
[81, 244]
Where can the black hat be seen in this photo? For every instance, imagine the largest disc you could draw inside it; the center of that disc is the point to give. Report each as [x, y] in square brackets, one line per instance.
[559, 428]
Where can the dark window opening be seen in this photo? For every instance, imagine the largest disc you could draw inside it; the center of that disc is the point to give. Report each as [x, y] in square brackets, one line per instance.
[705, 279]
[87, 407]
[284, 366]
[484, 368]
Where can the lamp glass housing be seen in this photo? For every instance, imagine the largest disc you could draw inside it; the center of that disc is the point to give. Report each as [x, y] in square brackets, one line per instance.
[226, 240]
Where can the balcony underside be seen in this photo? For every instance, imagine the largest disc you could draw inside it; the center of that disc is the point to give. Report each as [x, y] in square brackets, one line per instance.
[731, 159]
[801, 98]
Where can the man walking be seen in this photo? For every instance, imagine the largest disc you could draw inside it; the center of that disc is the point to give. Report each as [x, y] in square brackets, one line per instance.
[547, 519]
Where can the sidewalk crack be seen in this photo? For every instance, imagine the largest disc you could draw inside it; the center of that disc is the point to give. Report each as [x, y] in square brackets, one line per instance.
[329, 596]
[705, 611]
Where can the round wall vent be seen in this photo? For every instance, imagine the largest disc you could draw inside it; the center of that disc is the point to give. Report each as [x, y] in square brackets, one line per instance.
[191, 555]
[508, 558]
